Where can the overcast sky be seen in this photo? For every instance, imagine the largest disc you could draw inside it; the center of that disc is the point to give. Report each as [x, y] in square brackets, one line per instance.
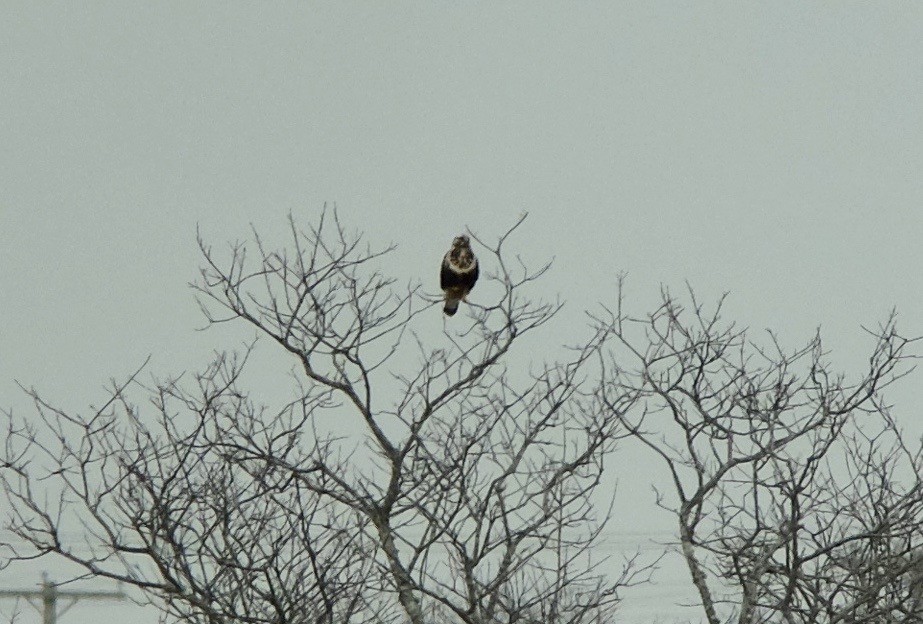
[771, 150]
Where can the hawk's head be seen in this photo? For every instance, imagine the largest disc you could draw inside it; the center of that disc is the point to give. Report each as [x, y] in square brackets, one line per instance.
[461, 255]
[461, 242]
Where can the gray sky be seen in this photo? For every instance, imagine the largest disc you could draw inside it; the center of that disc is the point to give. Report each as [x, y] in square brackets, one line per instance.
[772, 150]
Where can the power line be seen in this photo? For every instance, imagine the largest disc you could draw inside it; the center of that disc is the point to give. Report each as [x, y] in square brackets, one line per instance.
[49, 595]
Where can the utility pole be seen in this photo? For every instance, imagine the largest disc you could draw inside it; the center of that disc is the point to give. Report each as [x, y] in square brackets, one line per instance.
[49, 595]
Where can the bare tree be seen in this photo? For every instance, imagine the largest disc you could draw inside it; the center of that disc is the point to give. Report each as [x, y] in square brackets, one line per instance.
[795, 494]
[410, 478]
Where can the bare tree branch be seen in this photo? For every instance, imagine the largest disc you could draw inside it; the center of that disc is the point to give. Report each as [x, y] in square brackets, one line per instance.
[793, 490]
[411, 478]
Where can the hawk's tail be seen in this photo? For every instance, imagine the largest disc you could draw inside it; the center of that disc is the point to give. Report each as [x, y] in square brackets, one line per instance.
[451, 306]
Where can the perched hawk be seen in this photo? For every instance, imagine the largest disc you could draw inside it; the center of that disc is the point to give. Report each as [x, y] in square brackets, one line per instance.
[459, 273]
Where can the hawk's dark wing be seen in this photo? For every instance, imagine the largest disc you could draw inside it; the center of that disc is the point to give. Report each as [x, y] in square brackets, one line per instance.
[473, 275]
[447, 277]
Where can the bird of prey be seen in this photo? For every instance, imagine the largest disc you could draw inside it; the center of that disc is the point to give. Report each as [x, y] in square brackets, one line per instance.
[459, 273]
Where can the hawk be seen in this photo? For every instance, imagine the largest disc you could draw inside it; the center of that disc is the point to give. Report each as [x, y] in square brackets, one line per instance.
[459, 273]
